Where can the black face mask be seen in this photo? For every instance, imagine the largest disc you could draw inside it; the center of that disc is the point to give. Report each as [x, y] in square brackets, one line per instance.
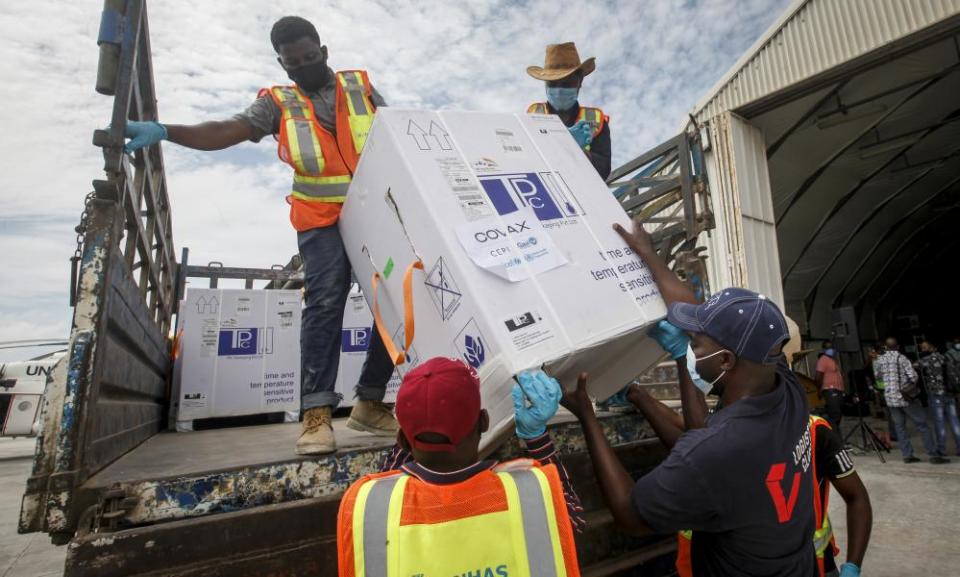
[310, 77]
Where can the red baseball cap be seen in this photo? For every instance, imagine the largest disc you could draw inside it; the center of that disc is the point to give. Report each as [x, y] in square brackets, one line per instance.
[440, 396]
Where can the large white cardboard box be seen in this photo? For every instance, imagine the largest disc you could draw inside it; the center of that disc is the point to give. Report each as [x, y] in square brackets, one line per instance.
[521, 265]
[354, 343]
[239, 353]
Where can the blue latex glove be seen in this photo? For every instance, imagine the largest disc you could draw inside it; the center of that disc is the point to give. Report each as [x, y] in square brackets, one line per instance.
[543, 394]
[672, 339]
[143, 134]
[849, 570]
[582, 132]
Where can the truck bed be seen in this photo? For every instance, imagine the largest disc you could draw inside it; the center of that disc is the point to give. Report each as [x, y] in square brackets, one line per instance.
[170, 455]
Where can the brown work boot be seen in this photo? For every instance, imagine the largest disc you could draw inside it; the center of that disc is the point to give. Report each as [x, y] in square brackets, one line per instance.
[373, 417]
[317, 436]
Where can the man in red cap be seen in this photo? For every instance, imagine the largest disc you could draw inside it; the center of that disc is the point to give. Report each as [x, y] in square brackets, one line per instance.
[423, 519]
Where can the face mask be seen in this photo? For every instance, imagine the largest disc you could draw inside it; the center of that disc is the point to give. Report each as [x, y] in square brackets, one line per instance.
[698, 381]
[829, 352]
[562, 98]
[310, 77]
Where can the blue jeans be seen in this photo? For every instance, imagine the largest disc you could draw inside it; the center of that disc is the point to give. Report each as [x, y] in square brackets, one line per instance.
[944, 408]
[327, 284]
[914, 411]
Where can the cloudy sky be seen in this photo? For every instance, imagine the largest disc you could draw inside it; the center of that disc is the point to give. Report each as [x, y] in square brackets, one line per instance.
[655, 58]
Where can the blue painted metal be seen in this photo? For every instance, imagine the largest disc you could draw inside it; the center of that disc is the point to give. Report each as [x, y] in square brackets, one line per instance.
[226, 491]
[112, 25]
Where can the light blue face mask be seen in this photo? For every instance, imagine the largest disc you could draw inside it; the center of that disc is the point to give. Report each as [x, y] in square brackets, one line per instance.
[698, 381]
[562, 98]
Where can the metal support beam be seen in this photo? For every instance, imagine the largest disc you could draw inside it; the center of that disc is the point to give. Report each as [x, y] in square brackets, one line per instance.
[848, 196]
[877, 209]
[813, 178]
[773, 148]
[897, 252]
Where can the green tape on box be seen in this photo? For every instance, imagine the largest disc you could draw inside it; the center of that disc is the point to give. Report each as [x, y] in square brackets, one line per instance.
[388, 268]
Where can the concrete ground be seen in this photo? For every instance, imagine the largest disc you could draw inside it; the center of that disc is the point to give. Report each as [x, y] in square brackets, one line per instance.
[916, 510]
[22, 555]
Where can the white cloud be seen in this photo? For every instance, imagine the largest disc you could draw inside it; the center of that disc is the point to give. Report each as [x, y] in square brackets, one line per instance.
[654, 59]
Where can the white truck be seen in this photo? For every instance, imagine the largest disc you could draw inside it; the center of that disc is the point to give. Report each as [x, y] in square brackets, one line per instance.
[22, 384]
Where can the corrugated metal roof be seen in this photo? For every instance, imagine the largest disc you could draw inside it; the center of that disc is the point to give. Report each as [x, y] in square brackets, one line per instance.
[813, 36]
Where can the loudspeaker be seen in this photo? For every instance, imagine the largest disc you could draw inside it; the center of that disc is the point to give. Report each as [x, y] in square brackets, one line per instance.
[844, 332]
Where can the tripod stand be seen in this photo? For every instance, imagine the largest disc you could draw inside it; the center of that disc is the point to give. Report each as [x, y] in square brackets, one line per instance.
[868, 438]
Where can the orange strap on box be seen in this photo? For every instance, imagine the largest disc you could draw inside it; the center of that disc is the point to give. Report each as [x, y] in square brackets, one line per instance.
[397, 356]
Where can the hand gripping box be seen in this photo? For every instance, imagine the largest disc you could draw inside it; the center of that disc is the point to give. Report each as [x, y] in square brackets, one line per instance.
[502, 230]
[238, 353]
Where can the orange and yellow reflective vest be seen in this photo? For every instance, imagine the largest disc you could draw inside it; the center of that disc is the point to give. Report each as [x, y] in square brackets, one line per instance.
[822, 537]
[323, 164]
[593, 116]
[510, 521]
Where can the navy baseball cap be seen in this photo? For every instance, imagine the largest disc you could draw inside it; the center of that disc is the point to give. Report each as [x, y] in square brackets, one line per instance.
[748, 324]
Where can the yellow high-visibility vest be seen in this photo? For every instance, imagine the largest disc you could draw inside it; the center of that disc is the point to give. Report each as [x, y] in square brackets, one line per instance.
[593, 116]
[323, 164]
[505, 522]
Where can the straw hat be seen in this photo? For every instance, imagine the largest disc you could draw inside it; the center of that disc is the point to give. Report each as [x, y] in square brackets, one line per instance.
[561, 61]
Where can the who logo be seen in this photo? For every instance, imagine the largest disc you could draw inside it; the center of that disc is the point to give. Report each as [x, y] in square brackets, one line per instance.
[544, 192]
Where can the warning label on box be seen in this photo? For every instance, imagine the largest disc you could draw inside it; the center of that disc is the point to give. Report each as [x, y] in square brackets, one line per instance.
[465, 187]
[443, 289]
[527, 330]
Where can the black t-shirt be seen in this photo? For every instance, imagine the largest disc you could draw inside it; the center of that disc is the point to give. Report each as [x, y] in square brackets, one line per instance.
[744, 485]
[833, 462]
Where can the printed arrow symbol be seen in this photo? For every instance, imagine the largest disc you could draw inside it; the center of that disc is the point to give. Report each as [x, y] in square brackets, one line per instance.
[419, 135]
[441, 136]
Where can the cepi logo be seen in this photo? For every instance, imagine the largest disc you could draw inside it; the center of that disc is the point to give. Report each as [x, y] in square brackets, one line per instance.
[473, 351]
[546, 193]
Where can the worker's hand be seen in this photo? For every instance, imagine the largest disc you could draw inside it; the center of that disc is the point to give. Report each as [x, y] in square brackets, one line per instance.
[849, 570]
[536, 398]
[578, 401]
[635, 394]
[671, 339]
[639, 240]
[582, 132]
[143, 134]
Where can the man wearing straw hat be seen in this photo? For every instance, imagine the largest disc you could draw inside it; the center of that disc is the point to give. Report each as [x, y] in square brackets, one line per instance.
[563, 74]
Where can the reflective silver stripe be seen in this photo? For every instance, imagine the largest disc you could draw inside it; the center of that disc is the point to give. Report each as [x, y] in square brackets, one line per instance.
[308, 154]
[354, 90]
[303, 127]
[536, 531]
[375, 527]
[321, 190]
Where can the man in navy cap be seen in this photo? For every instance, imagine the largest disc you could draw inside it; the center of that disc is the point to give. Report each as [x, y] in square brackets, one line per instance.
[740, 478]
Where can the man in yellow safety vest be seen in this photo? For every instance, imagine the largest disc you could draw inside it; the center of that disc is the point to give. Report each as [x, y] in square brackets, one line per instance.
[563, 74]
[321, 123]
[447, 512]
